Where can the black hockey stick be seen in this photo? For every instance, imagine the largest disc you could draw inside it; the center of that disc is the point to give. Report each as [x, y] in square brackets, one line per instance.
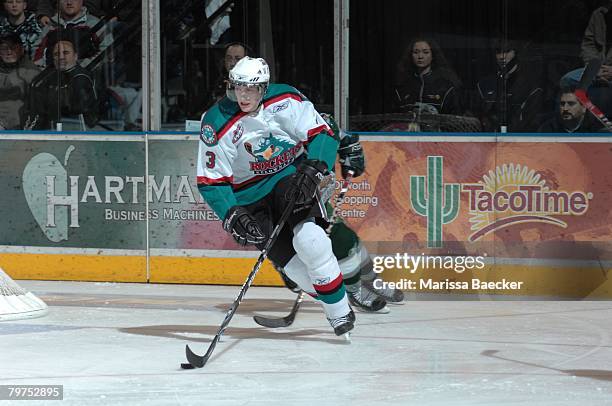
[588, 76]
[288, 320]
[198, 361]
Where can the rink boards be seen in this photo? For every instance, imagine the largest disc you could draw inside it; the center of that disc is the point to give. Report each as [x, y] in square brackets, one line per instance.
[116, 207]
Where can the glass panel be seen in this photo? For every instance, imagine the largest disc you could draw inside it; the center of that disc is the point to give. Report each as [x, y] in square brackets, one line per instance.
[194, 50]
[78, 65]
[414, 66]
[465, 89]
[548, 36]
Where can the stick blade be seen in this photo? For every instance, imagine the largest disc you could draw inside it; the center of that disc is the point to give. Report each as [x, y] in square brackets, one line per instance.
[274, 323]
[194, 359]
[286, 321]
[589, 74]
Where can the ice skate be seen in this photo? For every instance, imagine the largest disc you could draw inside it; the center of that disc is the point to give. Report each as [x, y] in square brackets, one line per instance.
[367, 301]
[393, 296]
[343, 324]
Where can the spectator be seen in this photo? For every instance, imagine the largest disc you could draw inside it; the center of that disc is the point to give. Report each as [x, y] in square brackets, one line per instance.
[16, 74]
[45, 9]
[512, 97]
[572, 116]
[92, 37]
[23, 23]
[425, 81]
[597, 44]
[64, 92]
[233, 52]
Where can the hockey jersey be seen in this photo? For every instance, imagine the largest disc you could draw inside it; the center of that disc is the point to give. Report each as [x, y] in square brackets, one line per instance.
[241, 156]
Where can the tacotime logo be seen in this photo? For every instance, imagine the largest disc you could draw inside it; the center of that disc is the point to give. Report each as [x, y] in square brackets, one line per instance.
[514, 194]
[509, 195]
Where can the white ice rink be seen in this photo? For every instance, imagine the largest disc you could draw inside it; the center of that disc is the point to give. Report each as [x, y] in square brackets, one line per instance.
[122, 344]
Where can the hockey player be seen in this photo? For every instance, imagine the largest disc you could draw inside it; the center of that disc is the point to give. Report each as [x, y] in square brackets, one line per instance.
[260, 146]
[354, 261]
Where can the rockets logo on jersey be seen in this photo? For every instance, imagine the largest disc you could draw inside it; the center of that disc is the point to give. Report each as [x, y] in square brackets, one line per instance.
[272, 154]
[237, 133]
[208, 135]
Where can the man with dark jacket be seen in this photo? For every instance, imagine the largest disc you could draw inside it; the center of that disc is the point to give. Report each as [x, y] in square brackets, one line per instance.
[572, 116]
[76, 106]
[512, 97]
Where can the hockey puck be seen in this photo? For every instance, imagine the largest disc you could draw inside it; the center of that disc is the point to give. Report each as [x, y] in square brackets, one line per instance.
[187, 366]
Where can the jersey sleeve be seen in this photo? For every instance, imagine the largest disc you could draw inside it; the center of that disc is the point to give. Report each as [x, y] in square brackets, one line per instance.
[214, 169]
[319, 139]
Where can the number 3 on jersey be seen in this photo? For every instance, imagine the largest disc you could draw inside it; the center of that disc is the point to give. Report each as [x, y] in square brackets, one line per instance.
[211, 159]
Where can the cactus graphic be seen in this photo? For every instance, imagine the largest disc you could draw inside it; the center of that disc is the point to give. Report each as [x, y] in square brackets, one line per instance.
[431, 204]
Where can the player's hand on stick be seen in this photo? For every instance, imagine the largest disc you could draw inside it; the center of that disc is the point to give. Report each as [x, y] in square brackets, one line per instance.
[243, 227]
[351, 156]
[305, 182]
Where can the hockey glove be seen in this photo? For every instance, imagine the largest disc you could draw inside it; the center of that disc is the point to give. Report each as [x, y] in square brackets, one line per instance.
[243, 227]
[351, 155]
[305, 182]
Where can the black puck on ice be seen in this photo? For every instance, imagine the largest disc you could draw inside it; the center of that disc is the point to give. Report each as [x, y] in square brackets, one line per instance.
[187, 366]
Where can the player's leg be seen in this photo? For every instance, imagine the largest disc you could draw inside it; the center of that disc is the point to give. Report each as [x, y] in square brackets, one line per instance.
[345, 244]
[314, 250]
[368, 276]
[307, 252]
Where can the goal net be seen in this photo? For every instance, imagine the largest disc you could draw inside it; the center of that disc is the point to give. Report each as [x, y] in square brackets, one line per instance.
[16, 302]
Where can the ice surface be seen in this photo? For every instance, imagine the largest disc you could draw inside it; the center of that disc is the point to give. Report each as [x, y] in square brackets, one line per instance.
[122, 344]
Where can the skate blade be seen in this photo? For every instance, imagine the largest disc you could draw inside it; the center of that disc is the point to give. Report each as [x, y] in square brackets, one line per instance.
[384, 310]
[347, 337]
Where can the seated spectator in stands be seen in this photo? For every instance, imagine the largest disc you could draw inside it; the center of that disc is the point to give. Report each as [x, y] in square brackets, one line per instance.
[513, 96]
[572, 116]
[16, 74]
[44, 9]
[23, 23]
[425, 81]
[233, 52]
[90, 45]
[78, 103]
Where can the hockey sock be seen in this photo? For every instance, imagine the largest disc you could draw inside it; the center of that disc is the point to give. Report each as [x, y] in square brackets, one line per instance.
[351, 271]
[314, 249]
[344, 244]
[344, 240]
[366, 264]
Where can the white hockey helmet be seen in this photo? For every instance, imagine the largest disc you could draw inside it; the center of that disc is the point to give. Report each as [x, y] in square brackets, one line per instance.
[249, 72]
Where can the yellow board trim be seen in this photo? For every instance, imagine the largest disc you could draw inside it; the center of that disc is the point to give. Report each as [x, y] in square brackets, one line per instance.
[108, 268]
[64, 267]
[211, 271]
